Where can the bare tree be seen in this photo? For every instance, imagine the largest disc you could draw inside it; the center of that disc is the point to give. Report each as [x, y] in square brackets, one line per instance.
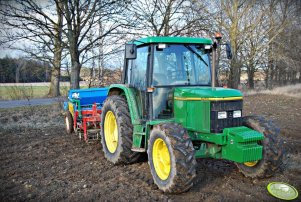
[31, 21]
[164, 17]
[58, 48]
[83, 17]
[246, 25]
[282, 22]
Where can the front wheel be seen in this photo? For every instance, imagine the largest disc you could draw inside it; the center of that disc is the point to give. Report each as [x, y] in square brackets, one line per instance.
[171, 158]
[273, 151]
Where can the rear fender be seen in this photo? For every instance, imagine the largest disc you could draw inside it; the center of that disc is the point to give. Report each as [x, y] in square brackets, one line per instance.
[128, 93]
[138, 127]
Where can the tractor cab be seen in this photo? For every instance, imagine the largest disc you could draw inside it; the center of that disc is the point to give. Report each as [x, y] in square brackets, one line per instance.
[155, 66]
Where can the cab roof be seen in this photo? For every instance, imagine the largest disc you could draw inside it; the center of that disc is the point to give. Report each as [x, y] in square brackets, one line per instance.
[172, 39]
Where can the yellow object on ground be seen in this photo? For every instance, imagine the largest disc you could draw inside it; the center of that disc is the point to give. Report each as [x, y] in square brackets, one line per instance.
[282, 190]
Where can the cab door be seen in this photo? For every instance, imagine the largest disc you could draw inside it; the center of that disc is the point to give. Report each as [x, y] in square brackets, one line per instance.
[136, 77]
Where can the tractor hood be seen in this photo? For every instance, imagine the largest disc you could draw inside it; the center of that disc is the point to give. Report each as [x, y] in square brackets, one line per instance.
[206, 93]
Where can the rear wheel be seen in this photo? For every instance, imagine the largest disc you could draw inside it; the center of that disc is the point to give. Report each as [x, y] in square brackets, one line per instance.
[117, 131]
[69, 122]
[171, 158]
[273, 150]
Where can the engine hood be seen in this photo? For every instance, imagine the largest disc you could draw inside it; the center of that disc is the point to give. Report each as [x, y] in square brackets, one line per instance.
[206, 93]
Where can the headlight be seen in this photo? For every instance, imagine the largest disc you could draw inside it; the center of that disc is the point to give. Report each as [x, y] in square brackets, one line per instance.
[236, 114]
[222, 115]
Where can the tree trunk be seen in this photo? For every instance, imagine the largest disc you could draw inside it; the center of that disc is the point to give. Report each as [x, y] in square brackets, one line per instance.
[272, 76]
[73, 34]
[54, 89]
[234, 74]
[101, 54]
[75, 73]
[17, 80]
[75, 64]
[266, 78]
[251, 73]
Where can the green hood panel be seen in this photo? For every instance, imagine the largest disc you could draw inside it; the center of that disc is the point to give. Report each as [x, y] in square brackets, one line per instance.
[206, 92]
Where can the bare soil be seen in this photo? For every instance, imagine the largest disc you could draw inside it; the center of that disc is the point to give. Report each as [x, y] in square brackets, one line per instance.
[40, 162]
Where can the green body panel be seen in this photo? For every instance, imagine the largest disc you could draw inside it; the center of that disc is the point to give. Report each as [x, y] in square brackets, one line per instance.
[138, 136]
[216, 138]
[141, 132]
[169, 39]
[159, 121]
[193, 115]
[239, 144]
[206, 92]
[242, 145]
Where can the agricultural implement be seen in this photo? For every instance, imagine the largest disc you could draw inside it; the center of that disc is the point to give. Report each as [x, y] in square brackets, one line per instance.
[168, 105]
[83, 112]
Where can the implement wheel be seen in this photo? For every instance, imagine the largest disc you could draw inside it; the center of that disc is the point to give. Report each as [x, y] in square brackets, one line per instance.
[171, 158]
[69, 123]
[273, 151]
[117, 131]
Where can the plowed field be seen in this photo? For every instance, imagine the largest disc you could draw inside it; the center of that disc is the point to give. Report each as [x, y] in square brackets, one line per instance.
[40, 162]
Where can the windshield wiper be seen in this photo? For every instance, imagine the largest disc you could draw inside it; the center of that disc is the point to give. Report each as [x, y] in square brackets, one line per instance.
[198, 55]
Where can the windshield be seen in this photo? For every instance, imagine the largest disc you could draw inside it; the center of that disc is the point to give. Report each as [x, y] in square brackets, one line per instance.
[181, 65]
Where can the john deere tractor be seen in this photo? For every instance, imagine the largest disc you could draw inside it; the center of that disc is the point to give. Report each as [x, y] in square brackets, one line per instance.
[168, 105]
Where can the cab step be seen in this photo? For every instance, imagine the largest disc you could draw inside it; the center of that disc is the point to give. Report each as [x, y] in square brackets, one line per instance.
[138, 149]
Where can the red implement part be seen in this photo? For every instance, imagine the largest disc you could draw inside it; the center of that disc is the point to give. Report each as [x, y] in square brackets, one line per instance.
[91, 116]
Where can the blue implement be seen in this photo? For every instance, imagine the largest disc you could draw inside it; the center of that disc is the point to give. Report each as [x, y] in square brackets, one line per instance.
[89, 96]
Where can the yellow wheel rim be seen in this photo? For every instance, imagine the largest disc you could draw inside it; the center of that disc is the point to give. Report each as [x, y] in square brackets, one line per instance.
[161, 159]
[251, 163]
[111, 132]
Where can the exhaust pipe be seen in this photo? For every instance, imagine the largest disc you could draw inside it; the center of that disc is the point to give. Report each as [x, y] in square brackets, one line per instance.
[218, 38]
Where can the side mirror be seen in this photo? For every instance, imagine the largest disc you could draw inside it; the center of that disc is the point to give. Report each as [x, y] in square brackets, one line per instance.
[130, 51]
[228, 51]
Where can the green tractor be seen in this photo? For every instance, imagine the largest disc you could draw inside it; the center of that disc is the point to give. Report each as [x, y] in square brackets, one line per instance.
[168, 106]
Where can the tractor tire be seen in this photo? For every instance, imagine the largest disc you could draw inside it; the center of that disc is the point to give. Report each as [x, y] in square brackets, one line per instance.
[171, 158]
[273, 150]
[69, 123]
[117, 131]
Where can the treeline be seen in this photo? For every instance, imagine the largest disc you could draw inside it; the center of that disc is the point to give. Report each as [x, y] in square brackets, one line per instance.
[23, 70]
[284, 66]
